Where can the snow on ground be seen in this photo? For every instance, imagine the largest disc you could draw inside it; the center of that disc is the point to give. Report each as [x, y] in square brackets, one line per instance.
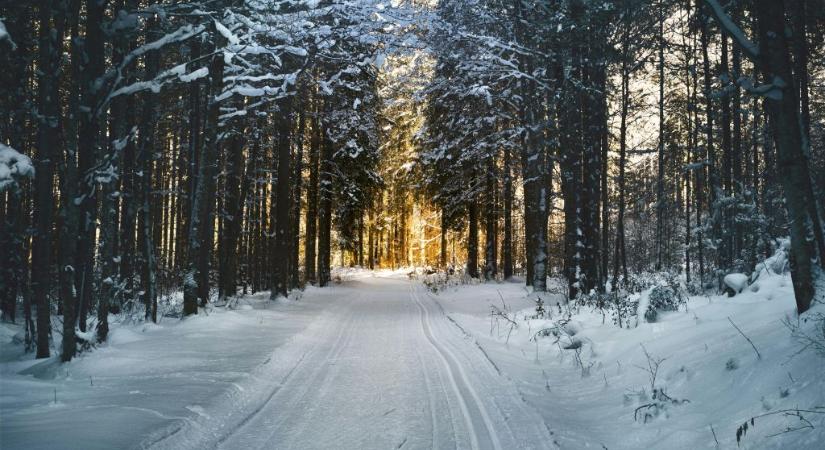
[710, 370]
[382, 368]
[379, 361]
[146, 378]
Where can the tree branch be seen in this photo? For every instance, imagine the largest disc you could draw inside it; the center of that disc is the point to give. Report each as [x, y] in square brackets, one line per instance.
[750, 49]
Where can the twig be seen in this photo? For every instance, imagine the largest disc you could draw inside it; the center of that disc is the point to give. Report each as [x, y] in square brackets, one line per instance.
[502, 299]
[499, 313]
[636, 412]
[793, 411]
[652, 368]
[758, 355]
[585, 370]
[742, 430]
[714, 435]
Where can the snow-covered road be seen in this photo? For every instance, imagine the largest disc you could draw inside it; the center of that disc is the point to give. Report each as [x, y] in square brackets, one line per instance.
[381, 368]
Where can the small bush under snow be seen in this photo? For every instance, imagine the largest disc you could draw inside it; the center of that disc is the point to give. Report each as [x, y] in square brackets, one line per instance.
[736, 282]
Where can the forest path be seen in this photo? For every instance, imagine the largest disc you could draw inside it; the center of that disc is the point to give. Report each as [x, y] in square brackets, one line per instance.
[382, 368]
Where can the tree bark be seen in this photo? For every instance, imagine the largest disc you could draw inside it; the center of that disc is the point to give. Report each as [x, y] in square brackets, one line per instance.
[491, 223]
[298, 178]
[472, 239]
[283, 203]
[312, 201]
[619, 257]
[660, 179]
[325, 213]
[534, 168]
[69, 211]
[237, 187]
[196, 278]
[146, 156]
[507, 245]
[48, 151]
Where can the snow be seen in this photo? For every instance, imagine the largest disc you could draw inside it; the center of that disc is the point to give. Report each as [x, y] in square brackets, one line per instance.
[5, 36]
[181, 34]
[297, 51]
[13, 165]
[230, 37]
[736, 281]
[147, 377]
[200, 73]
[155, 85]
[591, 405]
[379, 361]
[751, 49]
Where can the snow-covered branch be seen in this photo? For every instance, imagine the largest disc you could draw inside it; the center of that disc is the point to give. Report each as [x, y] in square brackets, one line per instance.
[5, 36]
[733, 30]
[13, 165]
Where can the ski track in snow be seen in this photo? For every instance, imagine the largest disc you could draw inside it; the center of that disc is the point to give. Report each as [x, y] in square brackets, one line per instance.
[449, 361]
[381, 368]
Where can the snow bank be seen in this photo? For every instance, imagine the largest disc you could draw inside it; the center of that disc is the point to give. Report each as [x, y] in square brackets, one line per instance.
[588, 378]
[147, 379]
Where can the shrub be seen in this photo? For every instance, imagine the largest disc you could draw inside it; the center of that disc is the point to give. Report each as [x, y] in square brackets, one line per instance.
[667, 296]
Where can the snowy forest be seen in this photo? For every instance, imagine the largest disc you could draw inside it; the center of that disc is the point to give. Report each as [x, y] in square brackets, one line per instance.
[412, 223]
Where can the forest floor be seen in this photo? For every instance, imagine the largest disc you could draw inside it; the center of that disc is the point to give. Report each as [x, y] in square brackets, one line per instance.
[379, 361]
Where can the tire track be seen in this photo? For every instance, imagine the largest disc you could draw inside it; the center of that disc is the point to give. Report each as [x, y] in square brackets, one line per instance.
[344, 332]
[322, 377]
[434, 441]
[169, 437]
[500, 380]
[452, 365]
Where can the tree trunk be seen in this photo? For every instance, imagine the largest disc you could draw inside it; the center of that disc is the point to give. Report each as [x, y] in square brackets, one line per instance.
[737, 187]
[297, 177]
[660, 179]
[726, 221]
[15, 125]
[791, 151]
[491, 223]
[325, 213]
[593, 121]
[442, 259]
[146, 152]
[237, 187]
[312, 201]
[712, 178]
[48, 151]
[283, 203]
[472, 239]
[507, 245]
[574, 193]
[534, 169]
[195, 283]
[619, 257]
[69, 211]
